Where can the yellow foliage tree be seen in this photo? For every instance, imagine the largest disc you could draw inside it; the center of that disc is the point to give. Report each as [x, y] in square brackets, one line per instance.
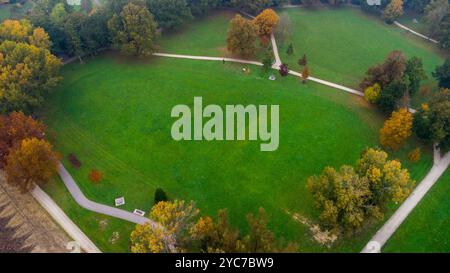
[266, 21]
[33, 162]
[393, 11]
[396, 129]
[372, 93]
[414, 155]
[148, 239]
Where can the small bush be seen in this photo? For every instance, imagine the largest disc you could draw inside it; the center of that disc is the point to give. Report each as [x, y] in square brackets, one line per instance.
[160, 195]
[284, 70]
[95, 176]
[74, 161]
[372, 93]
[414, 155]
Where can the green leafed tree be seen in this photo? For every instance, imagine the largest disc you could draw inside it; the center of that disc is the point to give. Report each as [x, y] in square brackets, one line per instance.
[134, 30]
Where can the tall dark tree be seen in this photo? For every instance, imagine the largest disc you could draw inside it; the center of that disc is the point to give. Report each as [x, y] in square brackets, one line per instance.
[442, 74]
[169, 13]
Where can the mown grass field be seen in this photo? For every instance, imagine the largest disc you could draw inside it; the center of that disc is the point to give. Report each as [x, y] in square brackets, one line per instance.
[114, 115]
[427, 228]
[341, 44]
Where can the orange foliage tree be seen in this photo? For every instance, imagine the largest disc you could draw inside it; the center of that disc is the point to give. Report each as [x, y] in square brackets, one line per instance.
[16, 127]
[95, 176]
[266, 21]
[396, 129]
[33, 162]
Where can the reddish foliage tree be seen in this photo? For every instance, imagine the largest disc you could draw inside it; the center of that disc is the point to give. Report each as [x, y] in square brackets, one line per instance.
[284, 70]
[16, 127]
[95, 176]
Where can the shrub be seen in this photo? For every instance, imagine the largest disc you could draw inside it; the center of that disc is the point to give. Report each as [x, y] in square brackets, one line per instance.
[284, 70]
[74, 161]
[160, 195]
[95, 176]
[372, 93]
[414, 155]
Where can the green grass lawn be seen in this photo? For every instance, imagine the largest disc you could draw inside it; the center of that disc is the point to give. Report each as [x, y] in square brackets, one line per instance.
[408, 20]
[5, 12]
[114, 115]
[203, 36]
[341, 44]
[427, 228]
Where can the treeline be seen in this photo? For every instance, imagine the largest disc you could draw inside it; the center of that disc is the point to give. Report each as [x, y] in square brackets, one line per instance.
[75, 32]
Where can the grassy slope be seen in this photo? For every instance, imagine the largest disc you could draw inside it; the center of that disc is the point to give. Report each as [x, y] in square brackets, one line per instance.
[204, 36]
[427, 228]
[341, 44]
[115, 116]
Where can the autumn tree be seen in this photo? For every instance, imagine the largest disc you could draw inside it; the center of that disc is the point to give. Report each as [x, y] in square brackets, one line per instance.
[147, 238]
[175, 219]
[372, 93]
[398, 78]
[396, 129]
[241, 37]
[414, 155]
[32, 162]
[305, 74]
[388, 181]
[217, 237]
[336, 191]
[393, 11]
[28, 71]
[432, 120]
[260, 239]
[134, 30]
[351, 197]
[14, 128]
[266, 21]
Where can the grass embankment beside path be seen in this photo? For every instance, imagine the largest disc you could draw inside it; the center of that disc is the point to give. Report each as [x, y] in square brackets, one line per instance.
[114, 115]
[341, 44]
[427, 228]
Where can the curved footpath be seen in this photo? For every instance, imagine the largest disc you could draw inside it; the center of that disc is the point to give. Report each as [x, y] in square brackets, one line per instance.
[81, 200]
[373, 246]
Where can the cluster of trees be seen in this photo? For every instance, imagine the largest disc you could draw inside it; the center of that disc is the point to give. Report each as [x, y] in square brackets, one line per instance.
[352, 197]
[436, 14]
[27, 158]
[28, 70]
[180, 229]
[432, 120]
[243, 34]
[390, 85]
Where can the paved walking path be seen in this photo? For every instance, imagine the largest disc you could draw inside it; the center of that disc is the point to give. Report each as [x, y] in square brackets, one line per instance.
[81, 200]
[389, 228]
[274, 66]
[415, 32]
[64, 221]
[275, 51]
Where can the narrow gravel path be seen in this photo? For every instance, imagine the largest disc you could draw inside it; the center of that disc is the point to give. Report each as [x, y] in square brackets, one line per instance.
[415, 33]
